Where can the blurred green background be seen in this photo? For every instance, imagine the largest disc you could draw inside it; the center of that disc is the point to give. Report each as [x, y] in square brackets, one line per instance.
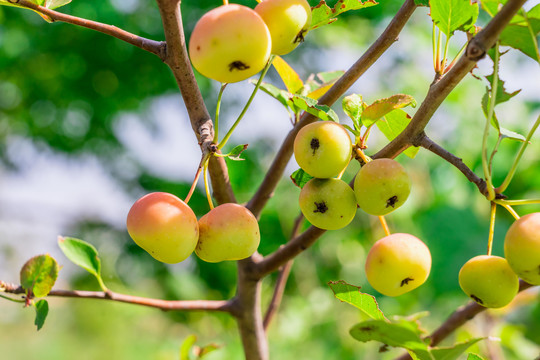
[88, 124]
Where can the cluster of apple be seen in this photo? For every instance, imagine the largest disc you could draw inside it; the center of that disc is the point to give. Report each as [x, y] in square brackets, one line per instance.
[167, 228]
[233, 42]
[397, 263]
[493, 281]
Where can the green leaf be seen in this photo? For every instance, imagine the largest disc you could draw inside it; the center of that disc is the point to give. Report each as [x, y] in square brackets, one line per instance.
[200, 352]
[236, 151]
[422, 2]
[42, 310]
[300, 178]
[53, 4]
[281, 95]
[353, 106]
[392, 335]
[290, 78]
[39, 274]
[453, 352]
[351, 294]
[512, 135]
[520, 38]
[382, 107]
[452, 15]
[82, 254]
[393, 124]
[473, 356]
[186, 347]
[311, 106]
[502, 96]
[322, 14]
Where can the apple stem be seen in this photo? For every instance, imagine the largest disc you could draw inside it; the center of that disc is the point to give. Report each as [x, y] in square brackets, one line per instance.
[510, 209]
[206, 187]
[385, 225]
[363, 156]
[225, 2]
[491, 227]
[218, 107]
[197, 175]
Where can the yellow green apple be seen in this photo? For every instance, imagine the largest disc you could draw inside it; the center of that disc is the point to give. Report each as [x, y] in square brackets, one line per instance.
[522, 248]
[164, 226]
[230, 43]
[489, 281]
[227, 232]
[381, 186]
[397, 264]
[328, 203]
[323, 149]
[288, 22]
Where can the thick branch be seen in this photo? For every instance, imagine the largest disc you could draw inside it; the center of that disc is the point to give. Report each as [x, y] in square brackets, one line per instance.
[476, 50]
[435, 148]
[387, 38]
[155, 47]
[178, 60]
[457, 319]
[169, 305]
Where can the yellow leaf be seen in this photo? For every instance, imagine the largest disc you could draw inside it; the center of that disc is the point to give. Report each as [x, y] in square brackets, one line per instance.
[290, 78]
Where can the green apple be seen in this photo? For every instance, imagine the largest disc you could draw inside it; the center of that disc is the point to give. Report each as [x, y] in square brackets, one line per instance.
[288, 22]
[522, 248]
[228, 232]
[381, 186]
[323, 149]
[230, 43]
[328, 203]
[489, 281]
[397, 264]
[164, 226]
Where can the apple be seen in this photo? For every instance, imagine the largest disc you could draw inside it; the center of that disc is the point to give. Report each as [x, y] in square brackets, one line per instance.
[397, 264]
[288, 22]
[328, 204]
[228, 232]
[381, 186]
[323, 149]
[522, 248]
[489, 281]
[164, 226]
[230, 43]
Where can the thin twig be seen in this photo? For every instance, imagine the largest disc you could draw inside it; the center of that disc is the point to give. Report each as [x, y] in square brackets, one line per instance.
[457, 319]
[281, 280]
[168, 305]
[152, 46]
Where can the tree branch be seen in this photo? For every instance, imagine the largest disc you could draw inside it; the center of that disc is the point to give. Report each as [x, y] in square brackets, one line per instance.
[168, 305]
[387, 38]
[152, 46]
[457, 319]
[435, 148]
[476, 50]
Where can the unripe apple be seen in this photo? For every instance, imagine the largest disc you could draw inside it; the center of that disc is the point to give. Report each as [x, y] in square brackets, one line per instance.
[228, 232]
[489, 281]
[230, 43]
[328, 203]
[522, 248]
[397, 264]
[381, 186]
[164, 226]
[323, 149]
[288, 22]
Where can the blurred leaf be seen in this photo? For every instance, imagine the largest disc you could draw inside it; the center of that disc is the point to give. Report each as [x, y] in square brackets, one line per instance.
[473, 356]
[82, 254]
[281, 95]
[53, 4]
[42, 310]
[422, 2]
[315, 89]
[453, 352]
[236, 151]
[392, 335]
[382, 107]
[353, 107]
[300, 178]
[452, 15]
[512, 135]
[351, 294]
[393, 124]
[200, 352]
[290, 78]
[186, 347]
[322, 14]
[39, 274]
[311, 106]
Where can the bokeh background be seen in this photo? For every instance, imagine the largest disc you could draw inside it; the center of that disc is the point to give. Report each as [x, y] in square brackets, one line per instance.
[88, 124]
